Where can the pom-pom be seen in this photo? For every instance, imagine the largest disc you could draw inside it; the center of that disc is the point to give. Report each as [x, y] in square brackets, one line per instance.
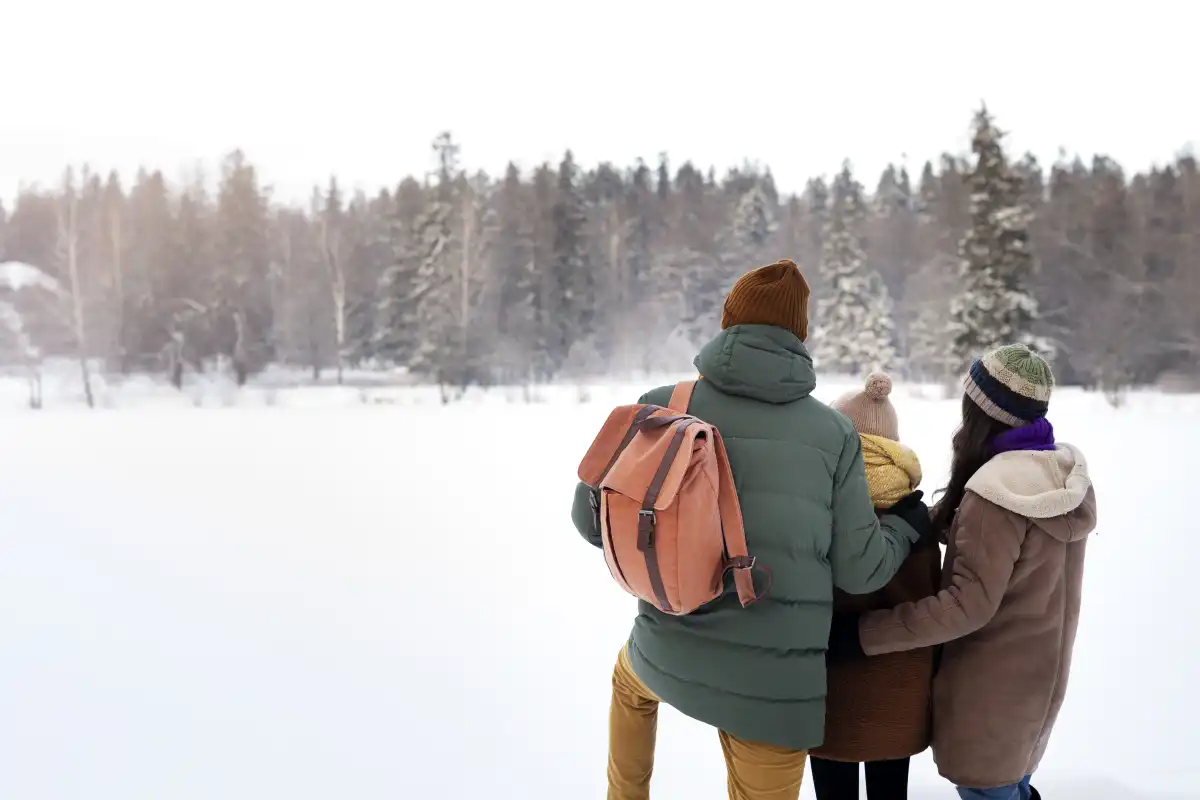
[879, 386]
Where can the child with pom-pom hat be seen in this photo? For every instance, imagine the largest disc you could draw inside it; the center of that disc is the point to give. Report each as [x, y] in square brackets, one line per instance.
[878, 709]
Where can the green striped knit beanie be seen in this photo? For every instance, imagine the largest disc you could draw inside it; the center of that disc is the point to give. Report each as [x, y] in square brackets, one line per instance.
[1011, 384]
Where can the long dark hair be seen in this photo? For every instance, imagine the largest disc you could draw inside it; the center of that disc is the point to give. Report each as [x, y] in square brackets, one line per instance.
[972, 445]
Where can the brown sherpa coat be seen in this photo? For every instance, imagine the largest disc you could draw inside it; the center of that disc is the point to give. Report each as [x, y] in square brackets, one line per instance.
[1007, 613]
[878, 709]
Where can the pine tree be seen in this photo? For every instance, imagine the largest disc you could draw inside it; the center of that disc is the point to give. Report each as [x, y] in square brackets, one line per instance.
[685, 275]
[892, 231]
[370, 253]
[815, 220]
[477, 290]
[436, 328]
[546, 297]
[513, 267]
[741, 246]
[1114, 337]
[143, 275]
[572, 309]
[418, 234]
[641, 216]
[994, 305]
[302, 311]
[188, 291]
[611, 231]
[856, 331]
[754, 223]
[706, 273]
[243, 311]
[395, 329]
[929, 356]
[440, 349]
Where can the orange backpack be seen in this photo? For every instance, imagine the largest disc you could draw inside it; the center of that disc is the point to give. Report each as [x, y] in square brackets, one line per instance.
[667, 510]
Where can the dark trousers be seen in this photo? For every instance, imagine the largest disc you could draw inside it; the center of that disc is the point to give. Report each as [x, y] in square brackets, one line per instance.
[837, 780]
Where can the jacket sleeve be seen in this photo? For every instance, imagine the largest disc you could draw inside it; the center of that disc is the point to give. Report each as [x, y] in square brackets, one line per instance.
[865, 551]
[987, 545]
[584, 514]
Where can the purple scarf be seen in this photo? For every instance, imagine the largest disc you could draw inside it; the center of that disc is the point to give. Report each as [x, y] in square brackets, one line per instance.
[1038, 435]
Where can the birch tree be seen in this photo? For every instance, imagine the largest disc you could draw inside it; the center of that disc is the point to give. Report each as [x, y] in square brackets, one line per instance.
[68, 254]
[113, 223]
[334, 252]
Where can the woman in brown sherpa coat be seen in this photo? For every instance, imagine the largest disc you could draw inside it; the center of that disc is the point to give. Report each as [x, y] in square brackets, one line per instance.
[878, 710]
[1017, 514]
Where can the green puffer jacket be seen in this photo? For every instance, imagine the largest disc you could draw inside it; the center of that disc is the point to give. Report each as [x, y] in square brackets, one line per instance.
[759, 673]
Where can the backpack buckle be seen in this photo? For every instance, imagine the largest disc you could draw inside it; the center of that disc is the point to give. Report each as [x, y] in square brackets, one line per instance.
[646, 522]
[742, 562]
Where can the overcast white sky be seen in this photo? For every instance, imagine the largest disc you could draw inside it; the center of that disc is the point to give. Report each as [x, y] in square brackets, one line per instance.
[361, 88]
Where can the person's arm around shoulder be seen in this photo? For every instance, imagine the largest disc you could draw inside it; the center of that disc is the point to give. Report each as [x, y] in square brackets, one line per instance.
[865, 551]
[987, 543]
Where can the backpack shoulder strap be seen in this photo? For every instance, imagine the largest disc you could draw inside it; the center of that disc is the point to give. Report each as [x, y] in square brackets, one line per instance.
[681, 398]
[738, 558]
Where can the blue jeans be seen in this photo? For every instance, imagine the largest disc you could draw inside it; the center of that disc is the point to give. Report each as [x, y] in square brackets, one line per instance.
[1014, 791]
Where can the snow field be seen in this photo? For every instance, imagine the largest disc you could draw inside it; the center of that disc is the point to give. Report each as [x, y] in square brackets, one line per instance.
[331, 598]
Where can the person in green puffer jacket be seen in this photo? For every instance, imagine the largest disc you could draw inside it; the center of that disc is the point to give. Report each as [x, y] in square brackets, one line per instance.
[758, 674]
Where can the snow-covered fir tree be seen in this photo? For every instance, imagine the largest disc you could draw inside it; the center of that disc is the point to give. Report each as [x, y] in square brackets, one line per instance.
[878, 339]
[892, 230]
[855, 325]
[697, 281]
[514, 268]
[816, 201]
[572, 307]
[930, 358]
[754, 222]
[394, 332]
[241, 317]
[443, 275]
[743, 245]
[435, 353]
[994, 305]
[417, 315]
[371, 251]
[477, 289]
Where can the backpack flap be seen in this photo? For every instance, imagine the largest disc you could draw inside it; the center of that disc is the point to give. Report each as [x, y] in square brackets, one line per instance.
[646, 455]
[622, 424]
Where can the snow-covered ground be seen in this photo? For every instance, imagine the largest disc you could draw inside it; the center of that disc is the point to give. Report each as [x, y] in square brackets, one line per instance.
[332, 596]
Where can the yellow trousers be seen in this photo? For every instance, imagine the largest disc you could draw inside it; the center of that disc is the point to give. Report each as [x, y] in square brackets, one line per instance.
[756, 771]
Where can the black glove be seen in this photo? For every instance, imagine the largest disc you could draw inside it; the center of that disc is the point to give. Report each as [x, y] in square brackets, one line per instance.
[844, 644]
[912, 509]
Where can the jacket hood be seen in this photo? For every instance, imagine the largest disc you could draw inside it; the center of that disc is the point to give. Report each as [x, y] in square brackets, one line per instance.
[761, 362]
[1051, 488]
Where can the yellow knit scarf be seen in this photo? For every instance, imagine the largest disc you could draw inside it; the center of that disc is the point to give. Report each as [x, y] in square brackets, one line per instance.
[893, 470]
